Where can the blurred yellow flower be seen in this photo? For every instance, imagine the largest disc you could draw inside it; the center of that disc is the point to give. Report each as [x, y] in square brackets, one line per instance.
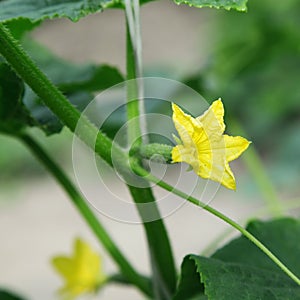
[82, 272]
[205, 147]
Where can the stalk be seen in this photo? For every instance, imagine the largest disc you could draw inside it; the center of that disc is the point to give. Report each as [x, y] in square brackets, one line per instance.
[127, 270]
[142, 172]
[160, 248]
[162, 261]
[15, 55]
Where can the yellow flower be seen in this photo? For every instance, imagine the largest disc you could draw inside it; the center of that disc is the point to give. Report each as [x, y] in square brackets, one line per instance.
[204, 146]
[82, 271]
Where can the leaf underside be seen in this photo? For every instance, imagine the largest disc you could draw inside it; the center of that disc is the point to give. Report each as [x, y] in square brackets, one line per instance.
[35, 11]
[51, 9]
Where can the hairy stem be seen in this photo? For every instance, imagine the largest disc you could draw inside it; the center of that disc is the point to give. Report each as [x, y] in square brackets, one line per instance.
[157, 152]
[13, 52]
[53, 98]
[80, 203]
[59, 105]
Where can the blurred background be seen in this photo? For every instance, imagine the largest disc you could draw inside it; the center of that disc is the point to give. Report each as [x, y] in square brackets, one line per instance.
[251, 60]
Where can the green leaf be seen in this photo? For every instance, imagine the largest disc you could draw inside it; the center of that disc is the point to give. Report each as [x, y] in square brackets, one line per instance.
[190, 283]
[44, 118]
[241, 271]
[233, 281]
[75, 9]
[50, 9]
[77, 81]
[239, 5]
[280, 236]
[71, 77]
[13, 113]
[20, 27]
[4, 295]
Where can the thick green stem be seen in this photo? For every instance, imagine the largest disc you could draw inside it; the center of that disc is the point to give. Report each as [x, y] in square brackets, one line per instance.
[53, 98]
[80, 203]
[142, 172]
[162, 261]
[70, 116]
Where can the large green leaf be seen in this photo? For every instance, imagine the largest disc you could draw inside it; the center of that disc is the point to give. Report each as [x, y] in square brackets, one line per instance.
[77, 81]
[20, 27]
[280, 236]
[75, 9]
[190, 286]
[233, 281]
[4, 295]
[239, 5]
[240, 271]
[50, 9]
[71, 77]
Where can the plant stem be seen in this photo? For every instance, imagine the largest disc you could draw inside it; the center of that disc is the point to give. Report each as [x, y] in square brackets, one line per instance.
[161, 151]
[77, 199]
[162, 261]
[291, 204]
[142, 172]
[53, 98]
[13, 52]
[132, 106]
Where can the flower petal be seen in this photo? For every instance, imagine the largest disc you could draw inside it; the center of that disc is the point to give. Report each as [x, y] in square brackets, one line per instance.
[213, 119]
[235, 146]
[64, 266]
[205, 147]
[177, 154]
[182, 120]
[187, 155]
[82, 271]
[185, 125]
[228, 179]
[219, 172]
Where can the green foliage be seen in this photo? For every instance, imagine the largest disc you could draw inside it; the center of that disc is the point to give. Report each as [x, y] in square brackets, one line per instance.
[20, 27]
[36, 11]
[51, 9]
[241, 271]
[190, 284]
[239, 5]
[278, 235]
[77, 82]
[4, 295]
